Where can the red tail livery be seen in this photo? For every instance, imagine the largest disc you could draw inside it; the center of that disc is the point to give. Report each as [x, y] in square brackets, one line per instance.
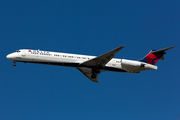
[155, 55]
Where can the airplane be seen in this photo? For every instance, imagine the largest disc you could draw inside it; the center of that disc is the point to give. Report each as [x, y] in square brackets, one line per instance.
[90, 66]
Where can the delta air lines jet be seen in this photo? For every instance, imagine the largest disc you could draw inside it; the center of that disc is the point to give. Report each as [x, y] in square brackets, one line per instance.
[90, 66]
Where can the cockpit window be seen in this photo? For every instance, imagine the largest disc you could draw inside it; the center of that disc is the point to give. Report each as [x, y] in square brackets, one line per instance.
[18, 51]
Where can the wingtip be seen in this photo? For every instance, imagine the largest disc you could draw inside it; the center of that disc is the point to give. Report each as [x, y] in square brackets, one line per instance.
[121, 47]
[172, 46]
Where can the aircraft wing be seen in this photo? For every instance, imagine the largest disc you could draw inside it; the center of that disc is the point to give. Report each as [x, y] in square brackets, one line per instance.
[97, 63]
[88, 73]
[102, 60]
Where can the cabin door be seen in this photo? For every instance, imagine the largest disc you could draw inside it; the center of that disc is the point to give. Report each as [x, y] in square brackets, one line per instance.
[23, 53]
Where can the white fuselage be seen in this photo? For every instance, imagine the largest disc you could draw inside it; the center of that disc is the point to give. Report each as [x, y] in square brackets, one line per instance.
[75, 60]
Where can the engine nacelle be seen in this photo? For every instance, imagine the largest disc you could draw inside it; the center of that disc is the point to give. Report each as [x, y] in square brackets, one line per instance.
[132, 63]
[135, 66]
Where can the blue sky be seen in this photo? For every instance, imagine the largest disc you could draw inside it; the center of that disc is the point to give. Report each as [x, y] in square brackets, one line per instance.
[41, 92]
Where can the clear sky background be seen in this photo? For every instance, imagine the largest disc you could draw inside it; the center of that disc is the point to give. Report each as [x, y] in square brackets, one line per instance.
[91, 27]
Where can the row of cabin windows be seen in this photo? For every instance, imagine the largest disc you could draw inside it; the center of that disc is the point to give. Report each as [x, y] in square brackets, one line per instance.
[65, 56]
[33, 53]
[79, 57]
[72, 57]
[41, 53]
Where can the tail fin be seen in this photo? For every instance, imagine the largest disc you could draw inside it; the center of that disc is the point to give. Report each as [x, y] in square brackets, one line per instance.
[154, 55]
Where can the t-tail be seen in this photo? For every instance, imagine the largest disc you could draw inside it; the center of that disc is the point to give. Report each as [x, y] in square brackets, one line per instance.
[154, 55]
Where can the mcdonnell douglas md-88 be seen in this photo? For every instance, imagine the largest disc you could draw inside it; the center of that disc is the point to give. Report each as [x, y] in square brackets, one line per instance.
[90, 66]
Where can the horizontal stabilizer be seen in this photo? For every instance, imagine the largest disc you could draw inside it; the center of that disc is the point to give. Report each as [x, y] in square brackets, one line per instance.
[162, 50]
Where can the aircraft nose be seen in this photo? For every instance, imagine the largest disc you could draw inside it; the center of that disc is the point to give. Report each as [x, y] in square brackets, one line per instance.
[10, 56]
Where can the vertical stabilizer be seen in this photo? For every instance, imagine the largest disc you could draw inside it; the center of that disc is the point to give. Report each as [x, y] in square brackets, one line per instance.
[154, 55]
